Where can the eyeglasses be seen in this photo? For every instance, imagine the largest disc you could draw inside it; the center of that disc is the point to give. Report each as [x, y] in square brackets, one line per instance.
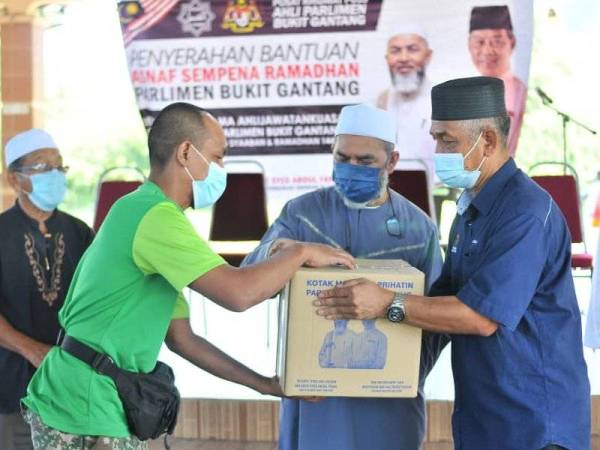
[41, 168]
[495, 43]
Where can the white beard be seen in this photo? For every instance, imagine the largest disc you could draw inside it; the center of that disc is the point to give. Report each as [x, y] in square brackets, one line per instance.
[365, 205]
[409, 83]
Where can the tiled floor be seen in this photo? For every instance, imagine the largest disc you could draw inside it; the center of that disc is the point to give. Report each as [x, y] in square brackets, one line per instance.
[186, 444]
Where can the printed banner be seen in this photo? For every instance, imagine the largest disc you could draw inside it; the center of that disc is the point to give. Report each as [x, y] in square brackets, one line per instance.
[276, 72]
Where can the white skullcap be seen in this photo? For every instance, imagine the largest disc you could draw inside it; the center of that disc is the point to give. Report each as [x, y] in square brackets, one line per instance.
[409, 28]
[27, 142]
[366, 120]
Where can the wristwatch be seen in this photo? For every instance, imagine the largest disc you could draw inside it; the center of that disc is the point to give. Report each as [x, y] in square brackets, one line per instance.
[396, 311]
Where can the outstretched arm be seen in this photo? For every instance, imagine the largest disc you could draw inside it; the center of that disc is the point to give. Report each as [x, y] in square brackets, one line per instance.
[238, 289]
[364, 299]
[182, 340]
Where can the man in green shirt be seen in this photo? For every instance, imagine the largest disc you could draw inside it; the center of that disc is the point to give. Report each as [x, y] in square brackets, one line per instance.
[125, 289]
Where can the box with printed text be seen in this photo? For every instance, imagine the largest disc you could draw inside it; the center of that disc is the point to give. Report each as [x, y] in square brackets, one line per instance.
[349, 358]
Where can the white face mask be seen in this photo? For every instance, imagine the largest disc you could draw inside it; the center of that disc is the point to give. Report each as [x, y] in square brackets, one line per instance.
[206, 192]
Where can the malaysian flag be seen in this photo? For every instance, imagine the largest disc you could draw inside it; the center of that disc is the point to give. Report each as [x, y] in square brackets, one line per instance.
[139, 16]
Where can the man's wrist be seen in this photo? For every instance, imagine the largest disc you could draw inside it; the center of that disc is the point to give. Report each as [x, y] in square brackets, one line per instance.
[29, 353]
[301, 249]
[274, 247]
[290, 245]
[260, 385]
[389, 298]
[396, 312]
[265, 386]
[24, 345]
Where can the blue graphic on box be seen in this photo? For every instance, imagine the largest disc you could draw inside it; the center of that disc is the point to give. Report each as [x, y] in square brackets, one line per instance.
[343, 348]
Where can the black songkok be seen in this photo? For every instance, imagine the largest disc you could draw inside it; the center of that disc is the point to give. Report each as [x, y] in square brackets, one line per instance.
[490, 17]
[468, 98]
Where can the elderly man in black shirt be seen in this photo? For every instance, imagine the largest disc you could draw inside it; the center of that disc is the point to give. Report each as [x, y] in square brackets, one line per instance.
[40, 247]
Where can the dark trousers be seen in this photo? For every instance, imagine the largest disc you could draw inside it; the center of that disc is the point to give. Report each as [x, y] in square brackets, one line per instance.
[15, 433]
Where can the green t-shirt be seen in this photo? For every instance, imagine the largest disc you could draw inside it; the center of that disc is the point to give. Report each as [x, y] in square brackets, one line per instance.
[125, 291]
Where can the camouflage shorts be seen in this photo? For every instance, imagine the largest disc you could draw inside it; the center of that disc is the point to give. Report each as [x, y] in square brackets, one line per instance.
[46, 438]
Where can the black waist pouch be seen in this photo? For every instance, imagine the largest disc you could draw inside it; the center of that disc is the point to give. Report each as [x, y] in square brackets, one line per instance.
[150, 400]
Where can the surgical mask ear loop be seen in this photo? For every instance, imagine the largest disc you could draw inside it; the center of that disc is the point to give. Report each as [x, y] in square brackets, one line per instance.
[188, 172]
[19, 174]
[471, 150]
[201, 156]
[474, 145]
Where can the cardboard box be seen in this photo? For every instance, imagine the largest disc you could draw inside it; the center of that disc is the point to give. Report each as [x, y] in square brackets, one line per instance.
[317, 357]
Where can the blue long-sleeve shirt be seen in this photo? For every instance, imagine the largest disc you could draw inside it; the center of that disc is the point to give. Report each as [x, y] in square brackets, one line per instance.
[509, 259]
[358, 423]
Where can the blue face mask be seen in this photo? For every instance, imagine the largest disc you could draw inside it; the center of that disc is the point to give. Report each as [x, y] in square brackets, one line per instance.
[357, 183]
[48, 189]
[450, 168]
[206, 192]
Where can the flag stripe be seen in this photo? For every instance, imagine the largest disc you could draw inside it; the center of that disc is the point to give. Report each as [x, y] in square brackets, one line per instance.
[151, 8]
[157, 9]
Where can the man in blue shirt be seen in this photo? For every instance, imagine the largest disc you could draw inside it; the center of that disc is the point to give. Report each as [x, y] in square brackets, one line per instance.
[506, 292]
[361, 215]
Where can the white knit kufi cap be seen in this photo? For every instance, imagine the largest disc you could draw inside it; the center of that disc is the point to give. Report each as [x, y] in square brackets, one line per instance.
[366, 120]
[27, 142]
